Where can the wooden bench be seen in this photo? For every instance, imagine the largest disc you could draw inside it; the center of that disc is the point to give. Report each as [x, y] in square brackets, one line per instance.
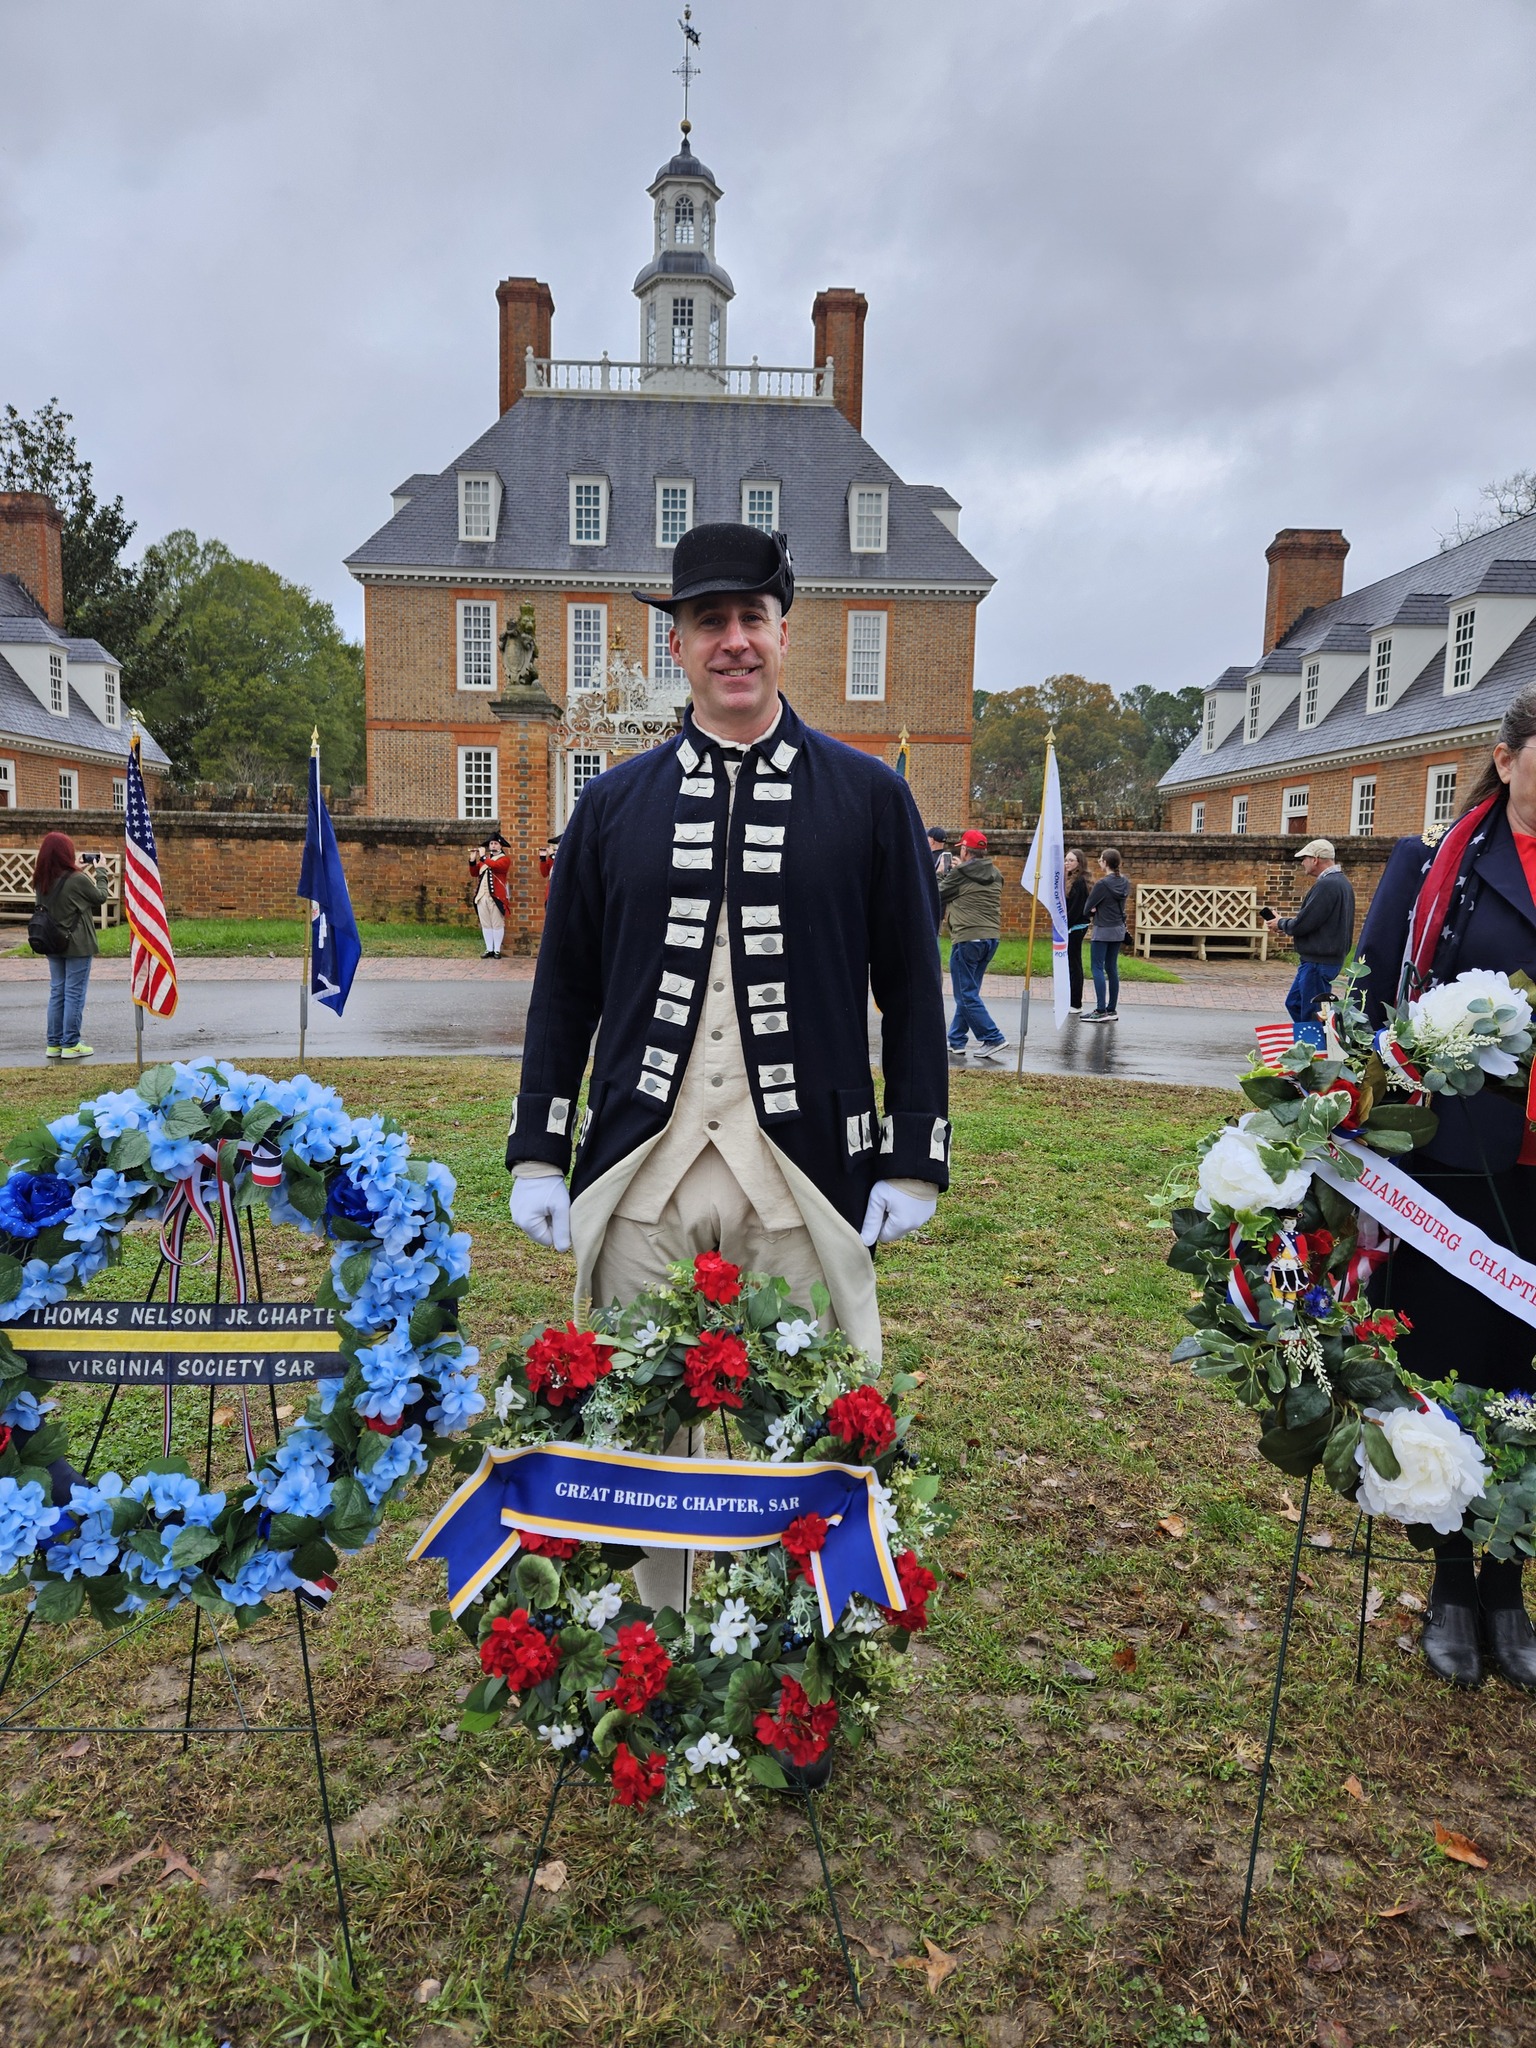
[18, 899]
[1212, 920]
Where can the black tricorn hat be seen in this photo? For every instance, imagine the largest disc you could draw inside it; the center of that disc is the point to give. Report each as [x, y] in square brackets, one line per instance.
[711, 559]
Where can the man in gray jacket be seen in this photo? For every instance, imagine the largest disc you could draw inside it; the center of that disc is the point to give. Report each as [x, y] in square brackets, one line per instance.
[972, 895]
[1322, 931]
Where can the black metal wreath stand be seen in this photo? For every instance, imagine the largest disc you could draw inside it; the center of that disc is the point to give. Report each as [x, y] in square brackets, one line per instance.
[186, 1727]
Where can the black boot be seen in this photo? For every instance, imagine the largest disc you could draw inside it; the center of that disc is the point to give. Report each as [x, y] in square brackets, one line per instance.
[1507, 1632]
[1450, 1640]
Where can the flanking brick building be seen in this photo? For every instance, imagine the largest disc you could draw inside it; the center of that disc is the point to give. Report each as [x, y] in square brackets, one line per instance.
[575, 497]
[1368, 714]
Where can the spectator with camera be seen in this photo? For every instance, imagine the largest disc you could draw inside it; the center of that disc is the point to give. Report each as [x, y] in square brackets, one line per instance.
[63, 928]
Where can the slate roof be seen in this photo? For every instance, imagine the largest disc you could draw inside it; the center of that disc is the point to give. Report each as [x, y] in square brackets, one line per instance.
[540, 443]
[1230, 679]
[1501, 563]
[22, 717]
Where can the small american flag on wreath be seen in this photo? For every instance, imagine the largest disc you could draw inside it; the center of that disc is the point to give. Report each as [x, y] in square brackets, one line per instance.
[151, 962]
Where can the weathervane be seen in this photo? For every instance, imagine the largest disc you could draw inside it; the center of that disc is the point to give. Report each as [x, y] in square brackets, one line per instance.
[688, 71]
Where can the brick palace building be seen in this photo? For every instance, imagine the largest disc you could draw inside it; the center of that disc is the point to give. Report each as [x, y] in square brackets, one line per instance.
[575, 496]
[1369, 714]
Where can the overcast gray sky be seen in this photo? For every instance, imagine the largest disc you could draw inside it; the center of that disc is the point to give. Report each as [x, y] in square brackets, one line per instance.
[1148, 279]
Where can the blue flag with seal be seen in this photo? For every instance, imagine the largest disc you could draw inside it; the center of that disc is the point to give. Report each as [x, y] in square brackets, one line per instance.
[334, 946]
[662, 1504]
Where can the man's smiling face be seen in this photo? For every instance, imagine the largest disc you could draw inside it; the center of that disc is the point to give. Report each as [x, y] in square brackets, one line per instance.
[731, 648]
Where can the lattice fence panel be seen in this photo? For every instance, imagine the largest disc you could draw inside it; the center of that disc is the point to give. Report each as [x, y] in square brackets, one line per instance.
[18, 899]
[1196, 907]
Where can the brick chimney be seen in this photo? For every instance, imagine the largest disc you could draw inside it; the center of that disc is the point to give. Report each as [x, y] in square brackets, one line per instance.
[31, 548]
[527, 309]
[1306, 569]
[838, 319]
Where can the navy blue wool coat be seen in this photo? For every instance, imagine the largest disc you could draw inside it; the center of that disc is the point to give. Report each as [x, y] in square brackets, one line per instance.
[1491, 924]
[832, 896]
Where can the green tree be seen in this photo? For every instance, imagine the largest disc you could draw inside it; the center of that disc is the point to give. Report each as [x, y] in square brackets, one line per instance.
[1169, 720]
[266, 662]
[1110, 750]
[128, 609]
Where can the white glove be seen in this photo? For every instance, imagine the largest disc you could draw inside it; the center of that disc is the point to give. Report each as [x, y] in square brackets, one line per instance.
[891, 1213]
[541, 1209]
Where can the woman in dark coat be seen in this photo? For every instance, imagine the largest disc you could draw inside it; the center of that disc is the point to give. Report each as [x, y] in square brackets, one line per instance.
[1075, 870]
[1469, 901]
[65, 885]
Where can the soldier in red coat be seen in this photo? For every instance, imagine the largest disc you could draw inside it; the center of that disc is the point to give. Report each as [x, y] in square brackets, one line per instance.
[490, 865]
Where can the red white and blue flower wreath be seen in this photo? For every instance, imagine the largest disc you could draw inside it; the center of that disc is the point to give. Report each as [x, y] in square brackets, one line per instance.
[185, 1145]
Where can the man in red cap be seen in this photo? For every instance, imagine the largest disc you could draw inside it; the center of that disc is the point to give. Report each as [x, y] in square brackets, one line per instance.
[972, 895]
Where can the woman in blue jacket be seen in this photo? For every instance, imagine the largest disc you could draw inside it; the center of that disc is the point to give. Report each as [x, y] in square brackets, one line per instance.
[1469, 901]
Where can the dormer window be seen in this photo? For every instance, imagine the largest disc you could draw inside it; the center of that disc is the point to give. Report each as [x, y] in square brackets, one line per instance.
[674, 511]
[56, 699]
[760, 506]
[109, 694]
[589, 511]
[1208, 744]
[1381, 675]
[479, 505]
[682, 222]
[1255, 699]
[1461, 649]
[866, 518]
[1311, 689]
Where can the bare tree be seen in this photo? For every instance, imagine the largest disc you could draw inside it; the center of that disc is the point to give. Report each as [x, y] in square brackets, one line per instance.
[1513, 497]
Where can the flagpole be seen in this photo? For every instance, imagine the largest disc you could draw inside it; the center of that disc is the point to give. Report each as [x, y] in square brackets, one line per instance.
[1034, 901]
[138, 1007]
[309, 922]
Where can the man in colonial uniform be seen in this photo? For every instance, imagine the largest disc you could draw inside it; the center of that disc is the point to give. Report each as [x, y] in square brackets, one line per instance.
[722, 908]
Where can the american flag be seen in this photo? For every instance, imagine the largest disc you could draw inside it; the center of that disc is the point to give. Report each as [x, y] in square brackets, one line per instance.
[151, 963]
[1274, 1039]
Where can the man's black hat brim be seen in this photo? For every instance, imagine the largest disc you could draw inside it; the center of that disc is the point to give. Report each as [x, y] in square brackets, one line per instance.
[702, 566]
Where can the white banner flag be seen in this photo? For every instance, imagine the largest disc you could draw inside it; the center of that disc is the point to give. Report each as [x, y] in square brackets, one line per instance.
[1044, 877]
[1415, 1216]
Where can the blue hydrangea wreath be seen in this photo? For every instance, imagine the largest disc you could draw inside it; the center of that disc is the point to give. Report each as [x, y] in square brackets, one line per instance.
[396, 1277]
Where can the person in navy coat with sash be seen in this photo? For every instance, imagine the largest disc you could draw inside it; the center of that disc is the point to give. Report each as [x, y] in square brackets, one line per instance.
[1468, 901]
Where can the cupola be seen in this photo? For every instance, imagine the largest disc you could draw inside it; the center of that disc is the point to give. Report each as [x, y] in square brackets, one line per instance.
[683, 291]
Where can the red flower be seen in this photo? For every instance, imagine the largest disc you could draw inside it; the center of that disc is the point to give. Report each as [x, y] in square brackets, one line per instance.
[383, 1428]
[1351, 1094]
[863, 1420]
[709, 1370]
[5, 1438]
[807, 1533]
[1389, 1326]
[518, 1652]
[566, 1362]
[634, 1782]
[547, 1546]
[917, 1582]
[643, 1668]
[801, 1729]
[716, 1278]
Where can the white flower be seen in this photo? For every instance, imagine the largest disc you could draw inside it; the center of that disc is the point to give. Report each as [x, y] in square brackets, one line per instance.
[646, 1335]
[1233, 1174]
[885, 1508]
[861, 1617]
[1448, 1008]
[783, 1435]
[508, 1398]
[558, 1735]
[795, 1336]
[596, 1610]
[1442, 1470]
[710, 1749]
[734, 1625]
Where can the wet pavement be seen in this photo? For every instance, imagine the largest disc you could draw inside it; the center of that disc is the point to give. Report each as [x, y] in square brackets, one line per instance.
[1198, 1031]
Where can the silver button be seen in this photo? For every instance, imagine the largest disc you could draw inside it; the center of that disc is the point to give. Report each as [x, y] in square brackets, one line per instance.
[715, 1080]
[712, 1125]
[719, 987]
[717, 1034]
[720, 942]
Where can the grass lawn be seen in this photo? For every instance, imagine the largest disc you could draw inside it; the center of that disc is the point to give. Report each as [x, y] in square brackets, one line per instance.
[246, 936]
[1060, 1802]
[1012, 953]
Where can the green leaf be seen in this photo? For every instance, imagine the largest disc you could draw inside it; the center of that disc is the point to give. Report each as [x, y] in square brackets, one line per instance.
[259, 1119]
[762, 1308]
[305, 1186]
[537, 1580]
[685, 1688]
[478, 1723]
[1186, 1349]
[36, 1149]
[60, 1599]
[749, 1693]
[354, 1272]
[605, 1736]
[287, 1532]
[1305, 1405]
[427, 1321]
[205, 1594]
[668, 1625]
[47, 1443]
[1339, 1465]
[147, 1543]
[349, 1503]
[766, 1771]
[155, 1083]
[1383, 1458]
[173, 1462]
[313, 1560]
[192, 1545]
[129, 1150]
[818, 1678]
[583, 1658]
[371, 1446]
[1294, 1451]
[439, 1619]
[184, 1120]
[925, 1487]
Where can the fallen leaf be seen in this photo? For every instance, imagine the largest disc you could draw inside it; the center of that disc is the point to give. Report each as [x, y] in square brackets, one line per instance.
[276, 1876]
[1082, 1674]
[1458, 1930]
[410, 1660]
[1324, 1962]
[936, 1966]
[1321, 1539]
[1354, 1788]
[1180, 1632]
[1124, 1658]
[428, 1989]
[1405, 1644]
[550, 1877]
[1411, 1601]
[1290, 1512]
[1173, 1525]
[1459, 1848]
[1373, 1601]
[223, 1415]
[176, 1863]
[1333, 2034]
[114, 1871]
[1109, 1269]
[284, 1412]
[1397, 1912]
[79, 1748]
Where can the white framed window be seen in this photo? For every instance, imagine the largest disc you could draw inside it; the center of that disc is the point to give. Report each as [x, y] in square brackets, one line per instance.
[109, 695]
[1197, 817]
[1240, 815]
[1311, 687]
[69, 789]
[707, 225]
[1362, 806]
[477, 783]
[760, 506]
[661, 223]
[1208, 740]
[650, 330]
[1461, 649]
[1439, 798]
[1255, 698]
[866, 518]
[580, 770]
[56, 698]
[479, 503]
[7, 785]
[866, 655]
[714, 333]
[674, 510]
[682, 330]
[666, 674]
[589, 511]
[682, 222]
[587, 637]
[1293, 809]
[1381, 674]
[477, 643]
[120, 794]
